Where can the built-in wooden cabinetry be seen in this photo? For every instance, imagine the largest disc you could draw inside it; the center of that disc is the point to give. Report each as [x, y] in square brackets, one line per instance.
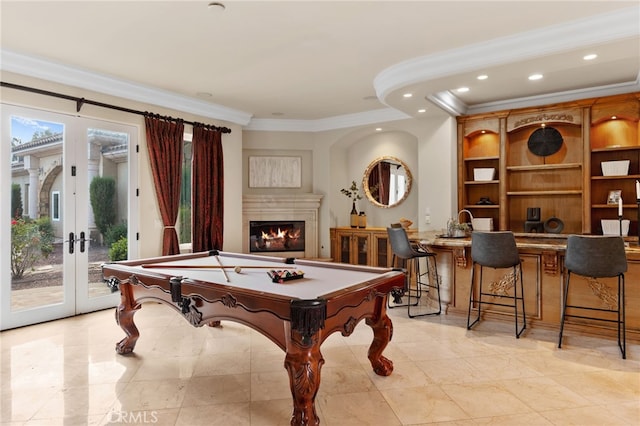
[361, 246]
[614, 139]
[568, 184]
[481, 150]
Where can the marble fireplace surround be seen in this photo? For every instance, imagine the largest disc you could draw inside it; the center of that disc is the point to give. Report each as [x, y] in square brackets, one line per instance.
[283, 207]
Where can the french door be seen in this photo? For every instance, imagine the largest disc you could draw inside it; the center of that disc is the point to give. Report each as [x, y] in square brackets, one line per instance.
[55, 169]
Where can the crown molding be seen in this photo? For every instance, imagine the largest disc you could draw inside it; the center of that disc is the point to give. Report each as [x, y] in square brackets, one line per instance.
[615, 25]
[63, 74]
[447, 101]
[559, 97]
[331, 123]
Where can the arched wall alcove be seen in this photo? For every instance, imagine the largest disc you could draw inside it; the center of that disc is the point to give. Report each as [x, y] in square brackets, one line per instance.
[350, 158]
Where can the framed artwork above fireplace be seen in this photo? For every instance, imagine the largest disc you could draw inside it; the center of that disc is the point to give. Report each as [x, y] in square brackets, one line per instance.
[275, 172]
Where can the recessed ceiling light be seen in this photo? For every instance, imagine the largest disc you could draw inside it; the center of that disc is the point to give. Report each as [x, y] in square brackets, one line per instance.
[533, 77]
[482, 77]
[378, 129]
[462, 89]
[407, 95]
[589, 57]
[421, 110]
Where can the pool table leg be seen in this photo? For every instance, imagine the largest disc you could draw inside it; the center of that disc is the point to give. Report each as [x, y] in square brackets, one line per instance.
[303, 362]
[124, 318]
[382, 333]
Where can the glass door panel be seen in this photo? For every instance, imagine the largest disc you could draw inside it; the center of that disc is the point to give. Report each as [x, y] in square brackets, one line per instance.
[52, 242]
[33, 250]
[383, 257]
[106, 234]
[345, 248]
[362, 244]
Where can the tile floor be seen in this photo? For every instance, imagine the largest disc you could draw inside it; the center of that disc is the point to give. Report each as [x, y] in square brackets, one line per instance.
[66, 372]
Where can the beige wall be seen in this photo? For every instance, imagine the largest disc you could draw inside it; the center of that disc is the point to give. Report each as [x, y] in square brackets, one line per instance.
[330, 161]
[340, 156]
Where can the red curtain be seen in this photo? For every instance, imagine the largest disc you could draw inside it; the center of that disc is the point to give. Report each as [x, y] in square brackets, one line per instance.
[207, 189]
[164, 142]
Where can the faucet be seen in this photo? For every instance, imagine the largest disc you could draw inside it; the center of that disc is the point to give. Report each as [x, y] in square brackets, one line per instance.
[470, 217]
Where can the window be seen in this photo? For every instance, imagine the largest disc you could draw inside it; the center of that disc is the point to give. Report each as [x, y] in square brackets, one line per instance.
[55, 205]
[184, 216]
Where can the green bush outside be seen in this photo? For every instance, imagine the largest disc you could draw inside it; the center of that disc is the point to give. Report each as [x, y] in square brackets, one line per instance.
[45, 227]
[118, 250]
[25, 246]
[16, 201]
[114, 233]
[102, 193]
[30, 241]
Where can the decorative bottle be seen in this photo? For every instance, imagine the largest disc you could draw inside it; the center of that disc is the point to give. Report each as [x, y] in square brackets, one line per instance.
[354, 216]
[362, 220]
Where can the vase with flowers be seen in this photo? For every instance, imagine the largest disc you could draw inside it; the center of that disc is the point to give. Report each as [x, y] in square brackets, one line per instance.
[353, 193]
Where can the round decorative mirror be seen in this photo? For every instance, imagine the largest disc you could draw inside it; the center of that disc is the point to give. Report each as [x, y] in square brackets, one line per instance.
[387, 182]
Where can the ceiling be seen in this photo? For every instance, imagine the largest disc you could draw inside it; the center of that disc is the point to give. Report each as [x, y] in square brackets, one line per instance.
[326, 64]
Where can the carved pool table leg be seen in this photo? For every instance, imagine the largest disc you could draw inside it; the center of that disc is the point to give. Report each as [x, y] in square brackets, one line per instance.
[303, 363]
[382, 333]
[124, 318]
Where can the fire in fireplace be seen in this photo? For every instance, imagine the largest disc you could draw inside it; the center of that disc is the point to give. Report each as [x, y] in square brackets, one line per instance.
[276, 235]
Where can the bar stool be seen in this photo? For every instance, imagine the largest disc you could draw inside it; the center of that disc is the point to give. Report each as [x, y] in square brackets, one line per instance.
[496, 250]
[411, 255]
[596, 257]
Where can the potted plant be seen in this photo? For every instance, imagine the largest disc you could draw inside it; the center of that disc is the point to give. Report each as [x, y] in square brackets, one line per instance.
[354, 193]
[457, 229]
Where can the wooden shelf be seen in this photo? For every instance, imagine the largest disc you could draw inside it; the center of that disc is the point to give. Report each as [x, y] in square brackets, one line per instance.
[543, 193]
[613, 206]
[482, 206]
[615, 177]
[482, 158]
[616, 148]
[480, 182]
[529, 168]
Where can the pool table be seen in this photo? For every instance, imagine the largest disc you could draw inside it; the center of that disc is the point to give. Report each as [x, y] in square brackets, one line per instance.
[297, 315]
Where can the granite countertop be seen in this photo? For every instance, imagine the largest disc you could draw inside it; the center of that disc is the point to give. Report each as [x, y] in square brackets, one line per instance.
[556, 242]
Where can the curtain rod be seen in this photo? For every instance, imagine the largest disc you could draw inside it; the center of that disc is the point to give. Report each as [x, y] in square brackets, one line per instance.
[81, 101]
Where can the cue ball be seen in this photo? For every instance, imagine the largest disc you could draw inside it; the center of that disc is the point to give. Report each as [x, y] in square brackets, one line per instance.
[237, 269]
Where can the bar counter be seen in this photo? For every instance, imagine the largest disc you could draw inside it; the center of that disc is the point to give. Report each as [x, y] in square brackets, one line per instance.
[542, 265]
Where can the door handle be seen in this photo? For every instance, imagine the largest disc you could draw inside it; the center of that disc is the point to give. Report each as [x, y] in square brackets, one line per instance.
[83, 240]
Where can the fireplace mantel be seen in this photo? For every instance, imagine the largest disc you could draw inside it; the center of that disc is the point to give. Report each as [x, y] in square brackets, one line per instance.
[283, 207]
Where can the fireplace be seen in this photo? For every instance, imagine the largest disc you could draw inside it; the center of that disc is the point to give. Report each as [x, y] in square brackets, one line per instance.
[276, 236]
[279, 209]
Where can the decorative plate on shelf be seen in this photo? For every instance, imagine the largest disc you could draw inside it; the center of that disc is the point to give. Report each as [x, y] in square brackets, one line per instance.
[545, 141]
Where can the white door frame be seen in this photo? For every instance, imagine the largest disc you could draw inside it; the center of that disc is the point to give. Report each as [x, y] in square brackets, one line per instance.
[75, 290]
